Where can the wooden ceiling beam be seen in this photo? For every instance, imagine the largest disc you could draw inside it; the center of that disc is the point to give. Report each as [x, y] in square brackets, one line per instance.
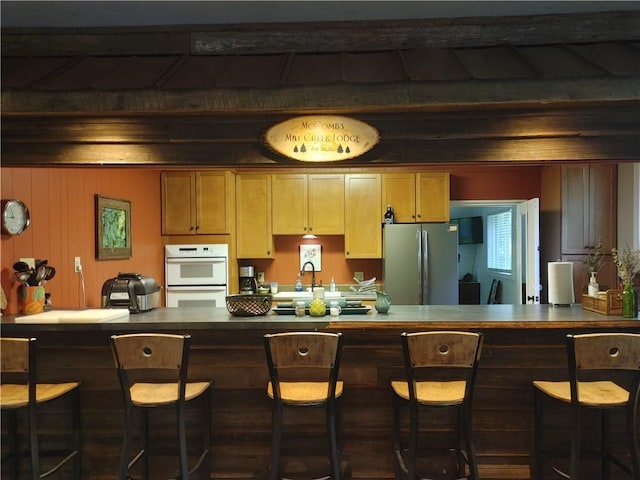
[326, 99]
[354, 36]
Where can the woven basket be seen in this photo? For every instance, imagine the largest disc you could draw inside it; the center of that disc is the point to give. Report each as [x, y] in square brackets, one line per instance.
[248, 305]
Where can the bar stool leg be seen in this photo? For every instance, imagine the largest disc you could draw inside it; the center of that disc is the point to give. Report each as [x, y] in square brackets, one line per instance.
[77, 428]
[574, 463]
[469, 445]
[604, 445]
[33, 441]
[12, 428]
[333, 442]
[144, 430]
[182, 442]
[539, 435]
[414, 420]
[276, 441]
[126, 445]
[206, 431]
[632, 438]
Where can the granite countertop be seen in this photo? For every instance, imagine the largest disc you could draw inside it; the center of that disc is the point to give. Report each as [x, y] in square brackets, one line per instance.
[400, 316]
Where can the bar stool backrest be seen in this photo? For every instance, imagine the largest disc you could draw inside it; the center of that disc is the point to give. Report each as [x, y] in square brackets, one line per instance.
[152, 357]
[593, 354]
[605, 351]
[18, 362]
[426, 353]
[292, 355]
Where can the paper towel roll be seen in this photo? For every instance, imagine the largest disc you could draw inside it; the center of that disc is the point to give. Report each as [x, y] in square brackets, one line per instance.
[561, 283]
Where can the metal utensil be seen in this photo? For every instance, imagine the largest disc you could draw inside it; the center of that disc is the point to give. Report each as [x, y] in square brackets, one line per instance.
[51, 272]
[40, 274]
[23, 277]
[21, 266]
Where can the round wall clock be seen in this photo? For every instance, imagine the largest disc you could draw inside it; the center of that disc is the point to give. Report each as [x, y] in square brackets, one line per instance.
[15, 217]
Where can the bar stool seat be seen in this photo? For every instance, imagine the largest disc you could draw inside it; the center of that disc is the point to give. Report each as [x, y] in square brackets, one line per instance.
[152, 369]
[305, 393]
[156, 395]
[440, 370]
[18, 359]
[303, 371]
[594, 360]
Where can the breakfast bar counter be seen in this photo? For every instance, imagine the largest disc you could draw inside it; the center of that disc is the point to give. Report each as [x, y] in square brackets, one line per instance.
[522, 343]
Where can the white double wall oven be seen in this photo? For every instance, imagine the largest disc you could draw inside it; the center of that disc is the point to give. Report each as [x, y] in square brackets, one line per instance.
[196, 275]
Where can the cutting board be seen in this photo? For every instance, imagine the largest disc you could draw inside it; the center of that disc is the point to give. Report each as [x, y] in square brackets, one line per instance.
[96, 315]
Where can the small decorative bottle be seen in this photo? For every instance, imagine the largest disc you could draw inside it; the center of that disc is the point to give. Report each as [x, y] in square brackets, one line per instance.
[593, 285]
[628, 301]
[389, 216]
[298, 284]
[332, 285]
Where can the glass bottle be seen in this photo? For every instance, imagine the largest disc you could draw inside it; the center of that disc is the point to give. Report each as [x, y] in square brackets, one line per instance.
[593, 285]
[298, 283]
[628, 301]
[389, 216]
[332, 285]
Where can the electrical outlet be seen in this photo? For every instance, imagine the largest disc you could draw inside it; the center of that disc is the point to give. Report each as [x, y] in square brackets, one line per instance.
[77, 264]
[261, 278]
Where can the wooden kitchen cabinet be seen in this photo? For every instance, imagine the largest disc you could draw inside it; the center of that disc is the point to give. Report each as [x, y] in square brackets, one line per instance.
[589, 213]
[254, 238]
[363, 223]
[197, 203]
[589, 207]
[416, 197]
[304, 204]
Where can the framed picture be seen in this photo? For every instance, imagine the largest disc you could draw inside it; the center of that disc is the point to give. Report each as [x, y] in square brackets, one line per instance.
[113, 228]
[311, 253]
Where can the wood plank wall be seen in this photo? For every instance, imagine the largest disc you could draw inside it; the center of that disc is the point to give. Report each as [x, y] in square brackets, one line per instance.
[241, 421]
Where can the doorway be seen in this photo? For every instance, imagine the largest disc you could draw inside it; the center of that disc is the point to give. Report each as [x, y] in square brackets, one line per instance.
[520, 282]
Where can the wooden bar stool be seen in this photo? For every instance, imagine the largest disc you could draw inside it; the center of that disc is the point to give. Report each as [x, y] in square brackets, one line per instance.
[20, 391]
[152, 369]
[317, 356]
[595, 360]
[440, 373]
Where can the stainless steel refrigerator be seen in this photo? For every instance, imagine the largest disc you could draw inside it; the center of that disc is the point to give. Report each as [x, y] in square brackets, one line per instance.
[420, 263]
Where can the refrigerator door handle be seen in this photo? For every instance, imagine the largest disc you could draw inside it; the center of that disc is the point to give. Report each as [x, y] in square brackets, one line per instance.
[419, 259]
[424, 261]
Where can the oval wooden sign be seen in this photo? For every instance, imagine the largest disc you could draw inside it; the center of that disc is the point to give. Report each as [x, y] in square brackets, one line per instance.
[321, 138]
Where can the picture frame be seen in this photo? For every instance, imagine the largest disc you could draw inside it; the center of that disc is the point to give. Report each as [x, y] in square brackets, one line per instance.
[113, 228]
[311, 253]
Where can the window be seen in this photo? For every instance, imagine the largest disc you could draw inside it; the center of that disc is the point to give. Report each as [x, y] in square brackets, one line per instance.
[499, 241]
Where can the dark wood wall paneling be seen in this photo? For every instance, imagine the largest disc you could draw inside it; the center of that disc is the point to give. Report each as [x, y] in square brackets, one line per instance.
[241, 418]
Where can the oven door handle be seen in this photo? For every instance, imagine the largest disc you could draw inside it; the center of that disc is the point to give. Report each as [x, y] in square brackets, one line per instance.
[178, 260]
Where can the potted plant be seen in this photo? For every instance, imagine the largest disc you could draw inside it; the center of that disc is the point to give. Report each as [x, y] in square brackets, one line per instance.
[627, 262]
[593, 263]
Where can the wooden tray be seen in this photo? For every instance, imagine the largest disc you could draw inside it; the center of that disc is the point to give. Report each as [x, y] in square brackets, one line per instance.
[607, 303]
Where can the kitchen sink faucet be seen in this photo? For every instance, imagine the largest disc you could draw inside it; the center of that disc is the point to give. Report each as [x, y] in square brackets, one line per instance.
[313, 273]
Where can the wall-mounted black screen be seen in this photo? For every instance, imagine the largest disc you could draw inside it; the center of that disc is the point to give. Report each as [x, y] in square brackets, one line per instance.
[469, 230]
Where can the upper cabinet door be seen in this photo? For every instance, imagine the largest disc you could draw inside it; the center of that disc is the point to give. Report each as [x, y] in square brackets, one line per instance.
[253, 216]
[326, 204]
[363, 224]
[416, 197]
[178, 203]
[196, 203]
[399, 191]
[589, 207]
[433, 197]
[289, 204]
[214, 202]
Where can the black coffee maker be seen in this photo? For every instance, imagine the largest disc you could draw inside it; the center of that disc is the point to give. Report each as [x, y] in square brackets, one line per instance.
[248, 283]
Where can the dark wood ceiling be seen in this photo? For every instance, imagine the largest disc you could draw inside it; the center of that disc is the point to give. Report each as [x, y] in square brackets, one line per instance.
[572, 70]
